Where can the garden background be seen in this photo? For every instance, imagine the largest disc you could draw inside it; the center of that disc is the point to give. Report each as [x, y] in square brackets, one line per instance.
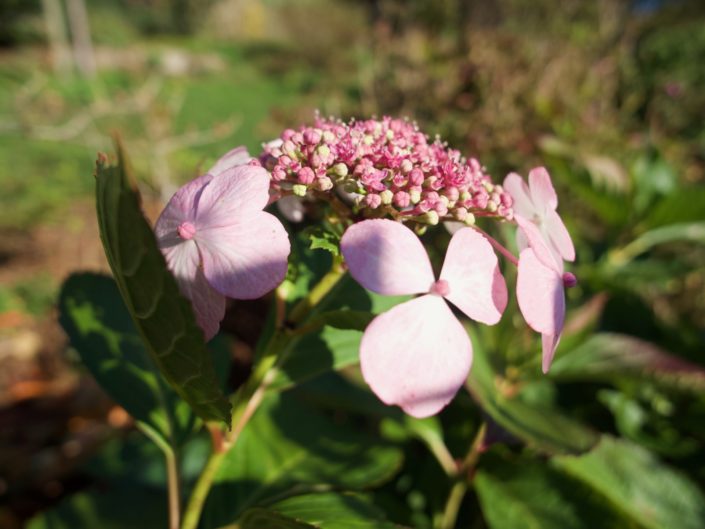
[609, 95]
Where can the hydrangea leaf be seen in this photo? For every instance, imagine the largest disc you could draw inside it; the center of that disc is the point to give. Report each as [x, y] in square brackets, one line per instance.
[323, 511]
[633, 480]
[162, 316]
[288, 449]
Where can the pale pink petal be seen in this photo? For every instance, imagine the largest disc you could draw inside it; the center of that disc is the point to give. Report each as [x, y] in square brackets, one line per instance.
[542, 193]
[538, 243]
[540, 294]
[208, 305]
[522, 240]
[247, 257]
[235, 192]
[474, 279]
[387, 257]
[452, 226]
[549, 343]
[519, 191]
[180, 208]
[416, 355]
[233, 158]
[559, 236]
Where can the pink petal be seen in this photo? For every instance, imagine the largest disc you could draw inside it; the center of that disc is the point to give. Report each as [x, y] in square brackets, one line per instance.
[387, 257]
[181, 207]
[549, 343]
[208, 305]
[542, 193]
[235, 192]
[541, 297]
[475, 281]
[246, 256]
[233, 158]
[519, 191]
[416, 355]
[559, 236]
[538, 243]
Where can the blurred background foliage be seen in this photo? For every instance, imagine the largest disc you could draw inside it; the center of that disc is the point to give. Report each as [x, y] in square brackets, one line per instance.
[608, 94]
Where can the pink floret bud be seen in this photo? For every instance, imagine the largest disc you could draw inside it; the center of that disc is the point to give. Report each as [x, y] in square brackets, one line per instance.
[388, 161]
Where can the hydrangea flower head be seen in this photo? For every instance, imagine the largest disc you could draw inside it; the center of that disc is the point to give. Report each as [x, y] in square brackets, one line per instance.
[391, 168]
[417, 355]
[219, 243]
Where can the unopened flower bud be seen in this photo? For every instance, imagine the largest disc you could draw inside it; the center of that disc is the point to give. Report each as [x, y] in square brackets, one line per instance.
[460, 214]
[373, 201]
[491, 206]
[386, 197]
[299, 190]
[306, 175]
[340, 170]
[323, 183]
[312, 136]
[415, 196]
[430, 217]
[416, 177]
[488, 186]
[470, 219]
[323, 151]
[402, 199]
[406, 166]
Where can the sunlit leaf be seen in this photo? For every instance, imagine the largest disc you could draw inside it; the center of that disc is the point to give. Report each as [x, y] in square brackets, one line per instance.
[610, 357]
[290, 449]
[162, 316]
[638, 485]
[100, 329]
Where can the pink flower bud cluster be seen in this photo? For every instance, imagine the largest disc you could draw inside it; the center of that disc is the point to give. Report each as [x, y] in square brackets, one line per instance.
[389, 166]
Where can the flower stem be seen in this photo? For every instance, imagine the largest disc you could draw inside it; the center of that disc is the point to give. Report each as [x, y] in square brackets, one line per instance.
[302, 309]
[463, 479]
[452, 508]
[250, 396]
[497, 246]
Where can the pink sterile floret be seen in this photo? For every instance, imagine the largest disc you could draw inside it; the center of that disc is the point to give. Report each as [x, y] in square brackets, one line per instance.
[544, 243]
[417, 355]
[385, 163]
[218, 242]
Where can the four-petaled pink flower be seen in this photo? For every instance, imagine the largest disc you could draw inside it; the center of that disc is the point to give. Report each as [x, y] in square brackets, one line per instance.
[417, 355]
[218, 242]
[544, 243]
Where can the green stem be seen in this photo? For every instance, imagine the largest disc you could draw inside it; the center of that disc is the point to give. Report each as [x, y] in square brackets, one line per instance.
[452, 508]
[302, 309]
[172, 473]
[192, 514]
[250, 396]
[462, 480]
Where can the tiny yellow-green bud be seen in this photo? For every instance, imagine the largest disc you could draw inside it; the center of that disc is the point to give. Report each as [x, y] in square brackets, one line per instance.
[470, 219]
[430, 217]
[386, 197]
[299, 190]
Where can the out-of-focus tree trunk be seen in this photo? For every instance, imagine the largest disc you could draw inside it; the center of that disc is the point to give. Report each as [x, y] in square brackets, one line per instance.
[57, 36]
[81, 36]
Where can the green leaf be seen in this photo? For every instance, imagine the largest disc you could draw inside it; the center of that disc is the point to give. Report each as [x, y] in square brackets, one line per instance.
[333, 511]
[684, 205]
[288, 449]
[94, 316]
[523, 493]
[259, 518]
[543, 428]
[115, 508]
[609, 357]
[688, 232]
[344, 319]
[163, 317]
[324, 240]
[638, 485]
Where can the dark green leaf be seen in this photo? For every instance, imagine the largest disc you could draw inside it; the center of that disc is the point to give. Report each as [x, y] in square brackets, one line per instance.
[684, 205]
[638, 485]
[162, 316]
[613, 356]
[546, 429]
[259, 518]
[342, 319]
[94, 316]
[325, 240]
[115, 508]
[333, 511]
[528, 494]
[289, 449]
[688, 232]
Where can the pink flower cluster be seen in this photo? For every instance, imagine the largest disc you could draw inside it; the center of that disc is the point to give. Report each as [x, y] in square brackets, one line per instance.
[389, 166]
